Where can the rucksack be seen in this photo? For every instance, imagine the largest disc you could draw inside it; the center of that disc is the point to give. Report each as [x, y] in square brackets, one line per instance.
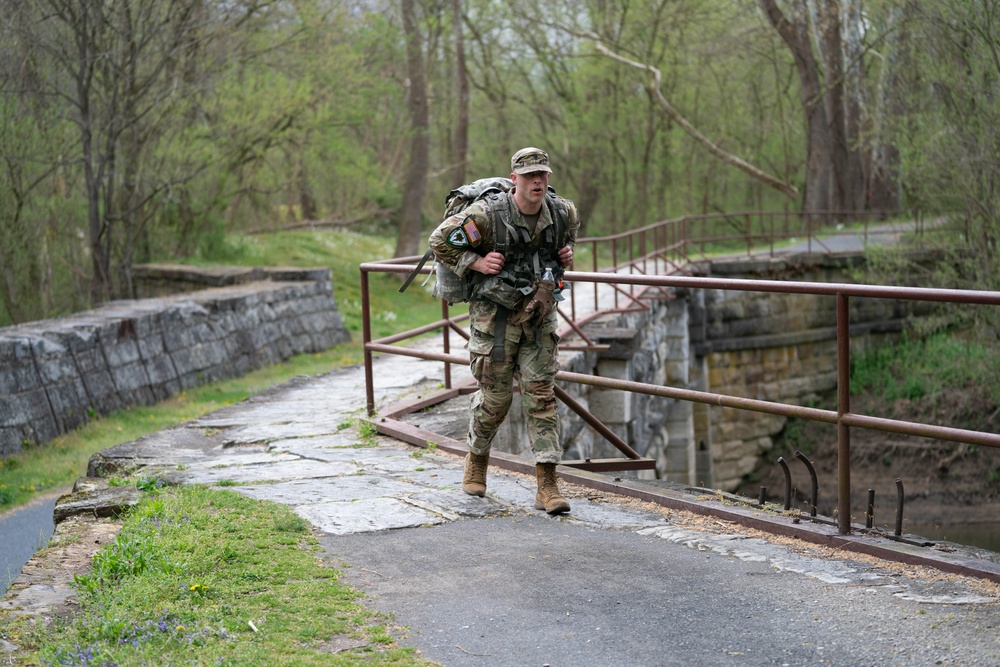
[458, 289]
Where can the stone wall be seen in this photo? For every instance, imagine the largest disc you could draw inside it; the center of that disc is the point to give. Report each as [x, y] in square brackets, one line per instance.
[780, 348]
[56, 374]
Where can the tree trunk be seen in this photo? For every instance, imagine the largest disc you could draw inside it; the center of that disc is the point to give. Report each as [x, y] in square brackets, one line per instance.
[819, 162]
[307, 202]
[409, 240]
[833, 56]
[859, 135]
[462, 84]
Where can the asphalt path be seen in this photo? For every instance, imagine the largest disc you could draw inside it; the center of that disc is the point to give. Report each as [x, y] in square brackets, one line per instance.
[23, 531]
[514, 591]
[886, 234]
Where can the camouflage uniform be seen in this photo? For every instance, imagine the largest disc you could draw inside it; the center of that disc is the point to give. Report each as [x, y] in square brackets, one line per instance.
[530, 352]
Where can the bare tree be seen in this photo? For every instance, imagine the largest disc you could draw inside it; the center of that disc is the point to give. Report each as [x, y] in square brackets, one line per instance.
[125, 72]
[408, 241]
[461, 154]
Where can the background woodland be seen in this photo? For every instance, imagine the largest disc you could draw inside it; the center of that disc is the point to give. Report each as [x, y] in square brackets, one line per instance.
[155, 130]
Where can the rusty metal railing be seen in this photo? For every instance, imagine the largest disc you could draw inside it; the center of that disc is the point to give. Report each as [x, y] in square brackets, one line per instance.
[674, 245]
[638, 284]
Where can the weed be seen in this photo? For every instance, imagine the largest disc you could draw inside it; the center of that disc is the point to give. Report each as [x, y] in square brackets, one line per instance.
[919, 367]
[792, 436]
[366, 431]
[150, 484]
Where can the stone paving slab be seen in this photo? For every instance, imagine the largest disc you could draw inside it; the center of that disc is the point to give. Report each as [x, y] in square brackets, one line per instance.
[274, 472]
[342, 489]
[375, 514]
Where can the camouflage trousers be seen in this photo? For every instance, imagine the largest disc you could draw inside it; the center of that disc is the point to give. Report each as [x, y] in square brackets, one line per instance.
[534, 367]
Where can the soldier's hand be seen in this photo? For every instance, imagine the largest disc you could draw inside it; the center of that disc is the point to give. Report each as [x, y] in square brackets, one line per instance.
[566, 256]
[491, 264]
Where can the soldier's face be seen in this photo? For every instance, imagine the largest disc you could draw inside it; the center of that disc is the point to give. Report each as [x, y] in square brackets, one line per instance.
[531, 187]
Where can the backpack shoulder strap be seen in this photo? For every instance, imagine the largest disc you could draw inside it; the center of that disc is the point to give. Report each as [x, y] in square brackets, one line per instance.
[499, 207]
[560, 216]
[413, 274]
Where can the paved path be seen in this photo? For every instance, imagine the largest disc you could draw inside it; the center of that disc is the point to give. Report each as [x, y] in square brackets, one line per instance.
[24, 530]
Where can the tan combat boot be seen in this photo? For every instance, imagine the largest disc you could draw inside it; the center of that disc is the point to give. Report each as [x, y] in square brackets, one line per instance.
[548, 497]
[474, 480]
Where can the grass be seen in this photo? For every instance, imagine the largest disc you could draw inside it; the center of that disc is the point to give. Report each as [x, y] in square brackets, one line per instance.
[209, 577]
[919, 367]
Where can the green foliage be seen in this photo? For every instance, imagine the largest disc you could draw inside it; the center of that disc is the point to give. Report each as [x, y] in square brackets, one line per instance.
[342, 252]
[306, 118]
[919, 367]
[366, 431]
[190, 580]
[948, 136]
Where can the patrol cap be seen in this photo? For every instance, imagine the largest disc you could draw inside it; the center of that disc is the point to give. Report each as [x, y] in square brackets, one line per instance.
[528, 160]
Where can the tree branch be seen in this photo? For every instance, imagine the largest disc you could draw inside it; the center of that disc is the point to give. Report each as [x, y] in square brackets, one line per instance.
[654, 88]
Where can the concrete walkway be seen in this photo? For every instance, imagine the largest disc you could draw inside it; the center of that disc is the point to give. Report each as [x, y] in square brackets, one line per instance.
[491, 581]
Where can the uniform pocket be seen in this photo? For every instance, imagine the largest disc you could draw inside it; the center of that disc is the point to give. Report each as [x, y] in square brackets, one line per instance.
[480, 343]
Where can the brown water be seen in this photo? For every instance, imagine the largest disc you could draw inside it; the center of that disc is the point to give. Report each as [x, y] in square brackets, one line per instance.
[984, 536]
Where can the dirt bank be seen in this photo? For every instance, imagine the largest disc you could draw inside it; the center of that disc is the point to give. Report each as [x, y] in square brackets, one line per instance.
[944, 483]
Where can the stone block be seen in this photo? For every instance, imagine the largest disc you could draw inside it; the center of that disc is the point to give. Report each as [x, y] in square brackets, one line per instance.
[69, 403]
[11, 441]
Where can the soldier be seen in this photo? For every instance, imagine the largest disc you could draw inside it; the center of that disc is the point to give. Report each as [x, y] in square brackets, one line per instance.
[503, 244]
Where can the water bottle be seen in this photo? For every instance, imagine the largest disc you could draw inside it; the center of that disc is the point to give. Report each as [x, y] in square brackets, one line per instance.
[557, 287]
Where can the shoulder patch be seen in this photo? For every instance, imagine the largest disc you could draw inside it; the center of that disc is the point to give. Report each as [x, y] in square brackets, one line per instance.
[458, 238]
[472, 235]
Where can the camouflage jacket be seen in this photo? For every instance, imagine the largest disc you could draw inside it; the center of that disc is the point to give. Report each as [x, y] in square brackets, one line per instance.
[465, 237]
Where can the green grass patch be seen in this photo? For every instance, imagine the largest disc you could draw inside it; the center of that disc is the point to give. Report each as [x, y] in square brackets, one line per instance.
[342, 252]
[209, 577]
[919, 367]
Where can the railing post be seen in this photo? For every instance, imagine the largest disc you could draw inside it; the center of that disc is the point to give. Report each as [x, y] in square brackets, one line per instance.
[597, 305]
[631, 262]
[446, 342]
[843, 408]
[749, 234]
[614, 263]
[366, 336]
